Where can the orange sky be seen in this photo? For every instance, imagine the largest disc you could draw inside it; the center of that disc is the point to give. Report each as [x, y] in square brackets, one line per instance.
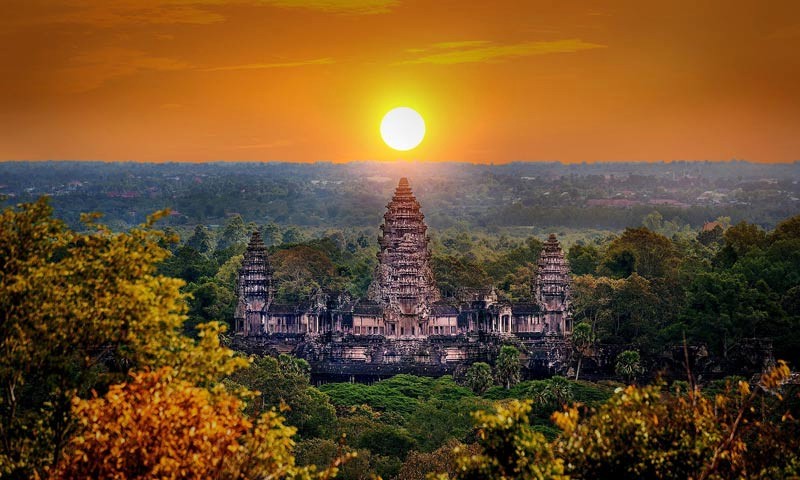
[307, 80]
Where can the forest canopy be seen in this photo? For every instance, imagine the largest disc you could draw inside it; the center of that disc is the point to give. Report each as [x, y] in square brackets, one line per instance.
[114, 364]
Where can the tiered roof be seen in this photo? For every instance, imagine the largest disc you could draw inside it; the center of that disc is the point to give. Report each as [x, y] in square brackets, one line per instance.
[552, 276]
[404, 279]
[255, 276]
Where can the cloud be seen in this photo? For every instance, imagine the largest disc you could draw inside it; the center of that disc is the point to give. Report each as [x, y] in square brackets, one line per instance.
[260, 66]
[458, 44]
[359, 7]
[115, 13]
[118, 13]
[480, 51]
[93, 69]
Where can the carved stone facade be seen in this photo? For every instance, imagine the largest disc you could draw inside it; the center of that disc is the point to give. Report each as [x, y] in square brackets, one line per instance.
[403, 283]
[551, 288]
[404, 319]
[405, 327]
[254, 289]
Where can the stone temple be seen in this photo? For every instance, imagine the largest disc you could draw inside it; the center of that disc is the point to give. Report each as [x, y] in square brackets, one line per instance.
[404, 325]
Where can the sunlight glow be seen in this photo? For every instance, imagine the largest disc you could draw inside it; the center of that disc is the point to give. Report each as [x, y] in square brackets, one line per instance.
[402, 128]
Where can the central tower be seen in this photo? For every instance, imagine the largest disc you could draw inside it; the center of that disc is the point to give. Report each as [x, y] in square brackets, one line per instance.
[403, 281]
[551, 288]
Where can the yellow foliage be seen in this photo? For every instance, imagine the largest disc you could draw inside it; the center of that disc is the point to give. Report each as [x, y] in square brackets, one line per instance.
[79, 310]
[509, 447]
[158, 426]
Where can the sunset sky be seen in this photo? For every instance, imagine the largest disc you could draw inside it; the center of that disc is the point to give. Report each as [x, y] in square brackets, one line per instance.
[496, 81]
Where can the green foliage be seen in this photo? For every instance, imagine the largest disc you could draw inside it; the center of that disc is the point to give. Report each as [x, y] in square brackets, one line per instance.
[235, 234]
[583, 259]
[510, 447]
[553, 394]
[478, 377]
[743, 237]
[201, 240]
[642, 251]
[284, 381]
[438, 420]
[508, 366]
[444, 460]
[386, 440]
[400, 393]
[628, 365]
[582, 340]
[453, 272]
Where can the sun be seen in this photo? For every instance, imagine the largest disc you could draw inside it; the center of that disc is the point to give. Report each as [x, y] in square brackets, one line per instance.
[402, 128]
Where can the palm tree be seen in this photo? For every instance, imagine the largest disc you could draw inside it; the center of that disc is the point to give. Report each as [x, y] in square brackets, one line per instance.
[582, 340]
[479, 377]
[508, 366]
[629, 365]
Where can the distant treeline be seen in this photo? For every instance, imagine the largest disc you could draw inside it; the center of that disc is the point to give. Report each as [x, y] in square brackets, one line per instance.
[353, 195]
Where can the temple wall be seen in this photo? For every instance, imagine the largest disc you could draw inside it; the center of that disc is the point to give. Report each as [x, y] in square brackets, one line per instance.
[443, 325]
[368, 325]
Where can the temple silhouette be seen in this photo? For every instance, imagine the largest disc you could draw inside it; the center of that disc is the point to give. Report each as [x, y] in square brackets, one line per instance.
[404, 320]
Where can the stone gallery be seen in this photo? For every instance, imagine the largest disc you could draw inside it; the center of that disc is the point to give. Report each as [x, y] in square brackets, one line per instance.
[404, 324]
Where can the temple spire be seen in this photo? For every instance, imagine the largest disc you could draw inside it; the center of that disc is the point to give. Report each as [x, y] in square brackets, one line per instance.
[404, 281]
[254, 287]
[551, 287]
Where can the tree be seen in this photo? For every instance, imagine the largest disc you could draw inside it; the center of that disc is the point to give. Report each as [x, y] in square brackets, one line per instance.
[710, 237]
[234, 235]
[643, 251]
[300, 270]
[508, 367]
[285, 381]
[79, 311]
[272, 234]
[722, 309]
[188, 264]
[211, 301]
[582, 340]
[478, 377]
[323, 452]
[583, 259]
[742, 238]
[645, 432]
[453, 272]
[628, 365]
[293, 235]
[653, 221]
[594, 301]
[552, 395]
[518, 285]
[158, 426]
[200, 240]
[788, 229]
[419, 465]
[228, 272]
[510, 447]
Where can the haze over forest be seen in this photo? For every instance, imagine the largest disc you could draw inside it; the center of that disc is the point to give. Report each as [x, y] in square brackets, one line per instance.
[605, 196]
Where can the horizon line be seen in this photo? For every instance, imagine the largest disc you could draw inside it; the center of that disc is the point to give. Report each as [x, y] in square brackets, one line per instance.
[401, 161]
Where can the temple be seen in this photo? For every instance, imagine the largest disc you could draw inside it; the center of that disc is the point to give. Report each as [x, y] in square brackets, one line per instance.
[551, 287]
[404, 316]
[254, 289]
[403, 284]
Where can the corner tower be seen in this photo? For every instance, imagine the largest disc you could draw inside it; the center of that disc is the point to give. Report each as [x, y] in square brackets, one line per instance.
[403, 283]
[551, 288]
[253, 288]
